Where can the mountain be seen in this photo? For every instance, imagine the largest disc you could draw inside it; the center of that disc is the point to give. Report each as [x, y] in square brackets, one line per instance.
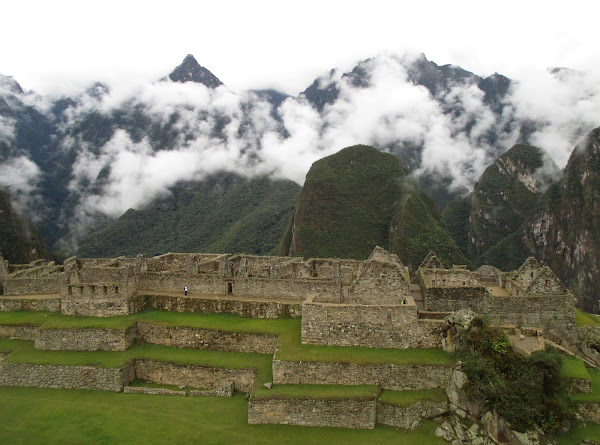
[224, 213]
[20, 241]
[360, 198]
[563, 232]
[524, 206]
[505, 194]
[191, 71]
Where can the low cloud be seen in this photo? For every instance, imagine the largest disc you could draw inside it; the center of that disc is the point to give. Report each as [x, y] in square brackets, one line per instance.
[211, 130]
[20, 177]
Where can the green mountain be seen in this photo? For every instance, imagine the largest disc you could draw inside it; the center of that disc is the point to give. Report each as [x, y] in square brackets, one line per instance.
[505, 194]
[503, 223]
[563, 232]
[223, 213]
[20, 241]
[359, 198]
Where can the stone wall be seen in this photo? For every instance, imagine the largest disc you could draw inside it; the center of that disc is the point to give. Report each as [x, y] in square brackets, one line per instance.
[8, 304]
[95, 301]
[85, 339]
[210, 339]
[296, 290]
[244, 308]
[66, 377]
[448, 299]
[174, 282]
[370, 326]
[33, 286]
[409, 417]
[554, 314]
[194, 376]
[590, 412]
[342, 413]
[18, 332]
[388, 376]
[153, 391]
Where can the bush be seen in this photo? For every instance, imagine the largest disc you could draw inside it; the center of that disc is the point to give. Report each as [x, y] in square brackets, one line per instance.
[524, 390]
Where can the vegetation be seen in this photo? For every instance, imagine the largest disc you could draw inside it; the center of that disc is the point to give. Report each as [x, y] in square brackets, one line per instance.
[223, 213]
[524, 390]
[288, 331]
[322, 392]
[32, 415]
[20, 242]
[359, 198]
[585, 319]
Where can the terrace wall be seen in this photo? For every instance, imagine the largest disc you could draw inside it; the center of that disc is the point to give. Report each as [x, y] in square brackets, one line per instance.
[194, 376]
[244, 308]
[343, 413]
[209, 339]
[408, 417]
[371, 326]
[388, 376]
[65, 377]
[85, 339]
[8, 304]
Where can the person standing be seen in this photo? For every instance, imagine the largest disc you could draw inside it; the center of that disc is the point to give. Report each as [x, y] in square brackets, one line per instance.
[185, 290]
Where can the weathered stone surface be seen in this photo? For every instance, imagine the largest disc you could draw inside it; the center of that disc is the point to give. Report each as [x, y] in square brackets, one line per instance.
[50, 304]
[244, 308]
[65, 377]
[574, 386]
[18, 332]
[153, 391]
[388, 376]
[344, 413]
[409, 417]
[194, 376]
[590, 412]
[85, 339]
[371, 326]
[458, 397]
[209, 339]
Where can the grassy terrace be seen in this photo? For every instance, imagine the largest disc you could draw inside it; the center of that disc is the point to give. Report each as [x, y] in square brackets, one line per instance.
[368, 392]
[585, 319]
[407, 398]
[24, 352]
[288, 331]
[590, 397]
[574, 368]
[33, 415]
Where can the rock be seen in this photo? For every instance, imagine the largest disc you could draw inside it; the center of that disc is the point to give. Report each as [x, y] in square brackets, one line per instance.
[445, 431]
[459, 431]
[432, 413]
[458, 397]
[268, 385]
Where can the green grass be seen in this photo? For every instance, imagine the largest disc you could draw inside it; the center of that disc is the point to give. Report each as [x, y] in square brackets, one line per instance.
[585, 319]
[590, 397]
[43, 416]
[24, 352]
[574, 368]
[578, 434]
[407, 398]
[287, 329]
[317, 392]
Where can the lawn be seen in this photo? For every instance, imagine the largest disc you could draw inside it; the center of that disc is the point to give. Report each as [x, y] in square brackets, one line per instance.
[287, 329]
[31, 415]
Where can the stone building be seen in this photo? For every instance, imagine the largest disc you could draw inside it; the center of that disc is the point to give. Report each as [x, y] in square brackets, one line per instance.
[341, 302]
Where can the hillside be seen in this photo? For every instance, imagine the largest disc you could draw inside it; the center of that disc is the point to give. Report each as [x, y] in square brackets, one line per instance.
[223, 213]
[359, 198]
[20, 241]
[503, 197]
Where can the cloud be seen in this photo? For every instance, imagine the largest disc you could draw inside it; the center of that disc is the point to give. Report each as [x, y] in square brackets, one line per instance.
[565, 103]
[20, 176]
[7, 129]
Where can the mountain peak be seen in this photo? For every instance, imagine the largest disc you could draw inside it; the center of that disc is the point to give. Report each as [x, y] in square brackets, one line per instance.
[191, 71]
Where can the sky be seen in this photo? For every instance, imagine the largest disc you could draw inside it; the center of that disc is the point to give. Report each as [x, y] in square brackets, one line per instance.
[61, 46]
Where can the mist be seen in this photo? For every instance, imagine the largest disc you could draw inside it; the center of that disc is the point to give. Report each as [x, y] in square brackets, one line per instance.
[192, 131]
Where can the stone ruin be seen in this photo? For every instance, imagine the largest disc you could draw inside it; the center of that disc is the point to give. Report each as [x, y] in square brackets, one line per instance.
[342, 302]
